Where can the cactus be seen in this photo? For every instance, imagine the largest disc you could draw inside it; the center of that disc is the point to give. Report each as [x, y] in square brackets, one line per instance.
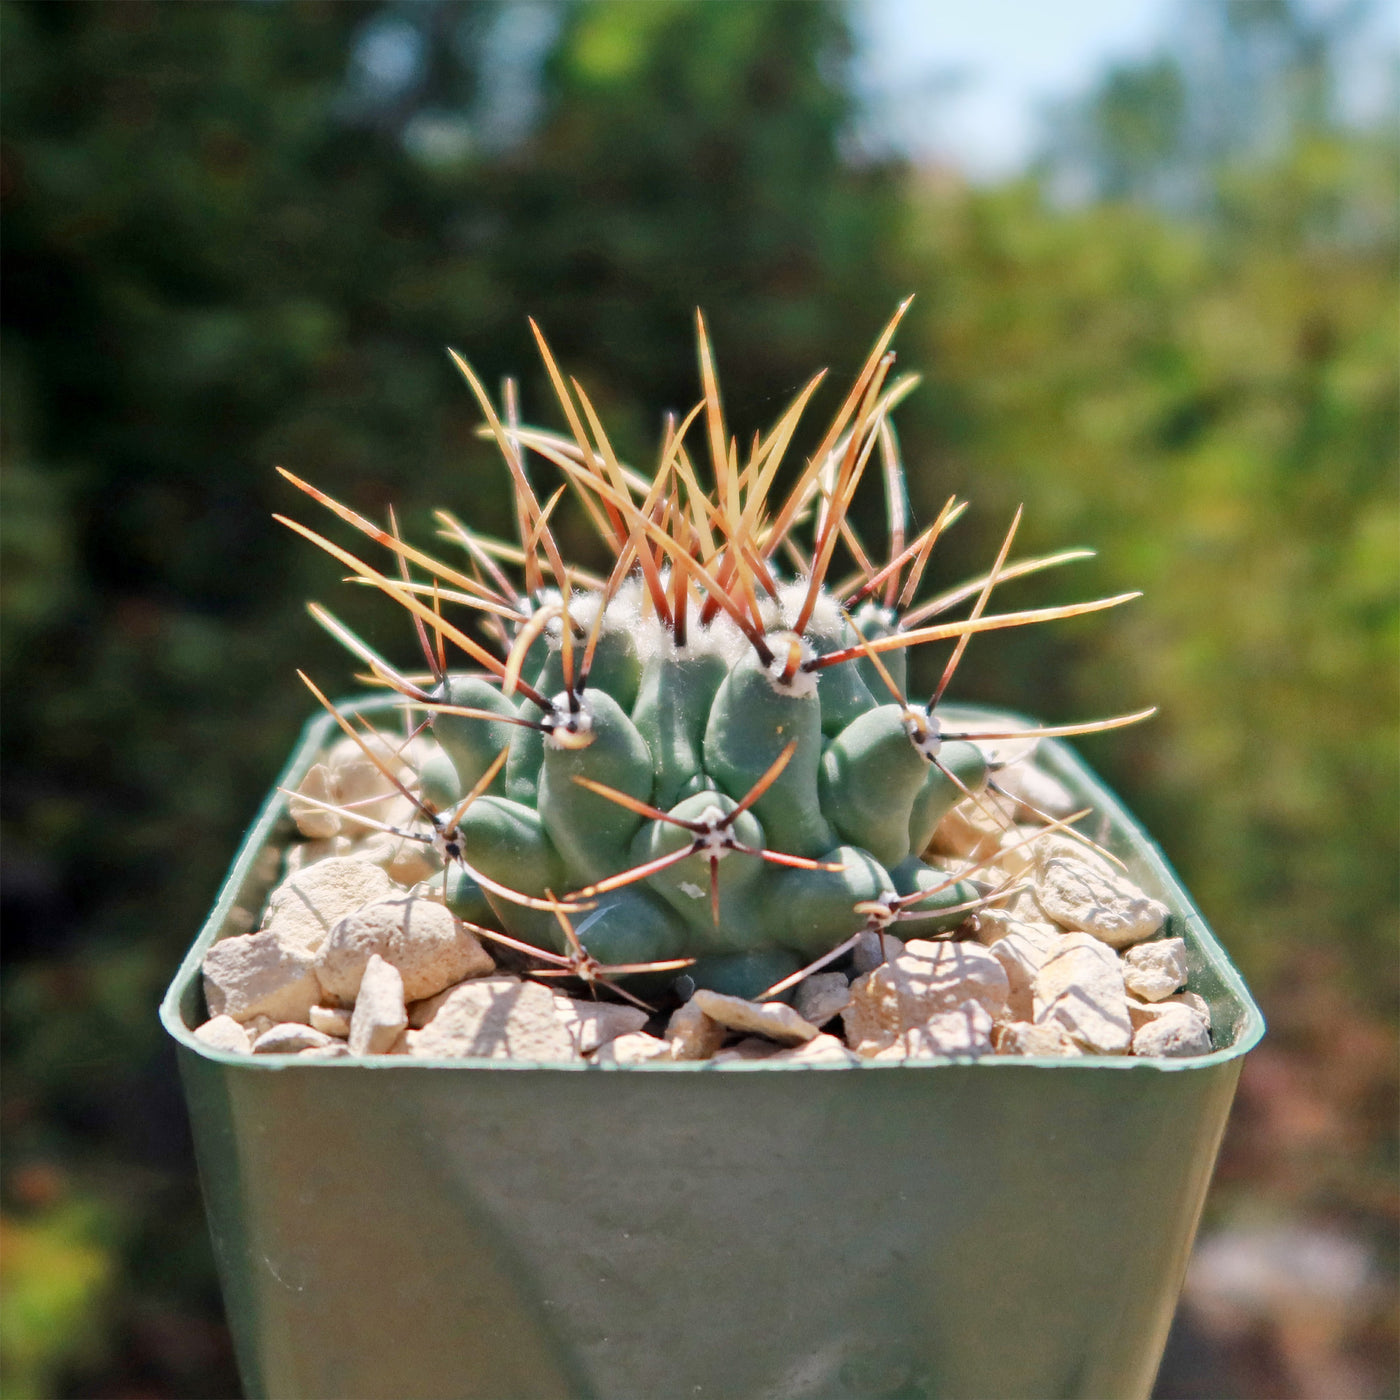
[706, 759]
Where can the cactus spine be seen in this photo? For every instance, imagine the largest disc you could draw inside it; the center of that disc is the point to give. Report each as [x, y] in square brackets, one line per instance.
[709, 754]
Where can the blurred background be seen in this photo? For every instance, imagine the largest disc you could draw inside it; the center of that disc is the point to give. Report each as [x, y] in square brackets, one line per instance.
[1154, 246]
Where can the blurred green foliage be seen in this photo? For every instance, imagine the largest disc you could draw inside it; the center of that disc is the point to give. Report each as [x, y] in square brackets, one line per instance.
[234, 237]
[1214, 409]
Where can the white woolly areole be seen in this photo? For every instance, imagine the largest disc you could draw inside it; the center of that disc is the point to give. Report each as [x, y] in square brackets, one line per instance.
[726, 640]
[825, 621]
[801, 683]
[623, 614]
[570, 729]
[871, 611]
[924, 733]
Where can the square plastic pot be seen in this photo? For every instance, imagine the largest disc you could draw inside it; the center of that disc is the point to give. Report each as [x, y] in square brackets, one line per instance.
[934, 1230]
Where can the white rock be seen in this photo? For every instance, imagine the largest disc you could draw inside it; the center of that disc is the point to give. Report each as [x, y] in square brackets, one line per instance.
[973, 829]
[314, 821]
[1021, 905]
[336, 1050]
[823, 1050]
[821, 996]
[924, 980]
[634, 1048]
[496, 1018]
[224, 1033]
[1110, 907]
[1140, 1012]
[260, 974]
[301, 854]
[1017, 849]
[1081, 987]
[289, 1038]
[693, 1035]
[771, 1019]
[1176, 1030]
[303, 908]
[1022, 951]
[430, 947]
[1029, 1038]
[379, 1009]
[1059, 845]
[752, 1047]
[1155, 970]
[406, 861]
[962, 1030]
[992, 924]
[331, 1020]
[594, 1023]
[354, 779]
[1033, 787]
[874, 948]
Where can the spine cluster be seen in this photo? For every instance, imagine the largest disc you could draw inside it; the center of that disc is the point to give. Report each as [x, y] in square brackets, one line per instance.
[707, 759]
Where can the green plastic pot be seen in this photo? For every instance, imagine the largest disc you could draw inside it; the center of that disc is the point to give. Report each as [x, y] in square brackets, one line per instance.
[471, 1228]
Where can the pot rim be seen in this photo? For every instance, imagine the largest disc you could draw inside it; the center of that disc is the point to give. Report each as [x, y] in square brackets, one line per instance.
[1147, 864]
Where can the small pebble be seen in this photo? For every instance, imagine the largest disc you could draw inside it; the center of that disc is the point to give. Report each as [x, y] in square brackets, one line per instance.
[771, 1019]
[1073, 893]
[962, 1030]
[431, 948]
[289, 1038]
[303, 908]
[331, 1020]
[1155, 970]
[693, 1035]
[1081, 987]
[379, 1009]
[260, 974]
[821, 996]
[494, 1017]
[823, 1050]
[633, 1048]
[924, 980]
[874, 948]
[224, 1033]
[1029, 1038]
[593, 1023]
[1178, 1030]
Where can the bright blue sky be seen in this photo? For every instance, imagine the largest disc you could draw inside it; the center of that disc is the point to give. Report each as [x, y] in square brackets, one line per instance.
[962, 80]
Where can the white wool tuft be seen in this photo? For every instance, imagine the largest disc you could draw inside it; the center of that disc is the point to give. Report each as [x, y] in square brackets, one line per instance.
[825, 621]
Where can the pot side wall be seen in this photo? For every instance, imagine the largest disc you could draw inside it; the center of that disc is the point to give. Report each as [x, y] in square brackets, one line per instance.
[922, 1232]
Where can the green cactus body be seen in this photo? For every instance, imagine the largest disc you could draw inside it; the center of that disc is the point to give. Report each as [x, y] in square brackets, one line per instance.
[464, 896]
[815, 909]
[873, 623]
[629, 925]
[673, 705]
[720, 677]
[438, 783]
[842, 689]
[745, 974]
[925, 918]
[507, 842]
[473, 744]
[685, 886]
[871, 775]
[526, 758]
[962, 768]
[591, 832]
[750, 723]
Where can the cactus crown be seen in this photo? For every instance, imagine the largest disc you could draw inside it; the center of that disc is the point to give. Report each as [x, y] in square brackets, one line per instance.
[708, 758]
